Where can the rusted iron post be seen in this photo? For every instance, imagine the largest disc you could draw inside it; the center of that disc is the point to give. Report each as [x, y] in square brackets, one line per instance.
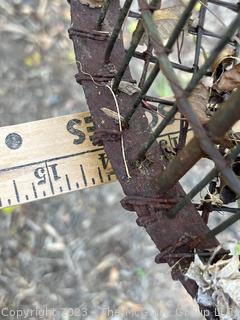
[144, 193]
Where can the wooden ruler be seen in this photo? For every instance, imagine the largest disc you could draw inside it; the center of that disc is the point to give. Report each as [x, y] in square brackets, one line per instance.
[49, 157]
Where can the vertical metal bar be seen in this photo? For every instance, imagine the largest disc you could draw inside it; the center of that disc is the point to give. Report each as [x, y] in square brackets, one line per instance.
[200, 26]
[117, 28]
[175, 34]
[145, 88]
[103, 13]
[184, 123]
[148, 54]
[137, 35]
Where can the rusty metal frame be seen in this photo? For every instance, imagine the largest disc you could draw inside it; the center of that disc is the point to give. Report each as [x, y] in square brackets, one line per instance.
[154, 192]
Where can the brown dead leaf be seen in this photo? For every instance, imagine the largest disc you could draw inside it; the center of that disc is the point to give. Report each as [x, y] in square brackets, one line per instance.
[218, 283]
[92, 3]
[112, 114]
[166, 19]
[128, 87]
[199, 100]
[224, 59]
[229, 80]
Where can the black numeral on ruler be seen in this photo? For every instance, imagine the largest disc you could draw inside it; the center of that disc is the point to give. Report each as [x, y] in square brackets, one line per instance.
[49, 178]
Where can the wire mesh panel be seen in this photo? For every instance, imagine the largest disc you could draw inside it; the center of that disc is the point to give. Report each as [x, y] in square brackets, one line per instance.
[206, 109]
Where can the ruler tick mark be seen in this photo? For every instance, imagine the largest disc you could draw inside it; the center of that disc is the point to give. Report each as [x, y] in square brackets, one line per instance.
[34, 191]
[26, 196]
[61, 189]
[88, 119]
[93, 181]
[91, 129]
[83, 175]
[100, 174]
[50, 180]
[9, 202]
[44, 193]
[16, 190]
[77, 185]
[68, 182]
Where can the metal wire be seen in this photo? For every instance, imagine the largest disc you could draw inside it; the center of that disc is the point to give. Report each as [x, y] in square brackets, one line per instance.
[202, 141]
[137, 35]
[176, 32]
[117, 28]
[182, 102]
[103, 13]
[203, 183]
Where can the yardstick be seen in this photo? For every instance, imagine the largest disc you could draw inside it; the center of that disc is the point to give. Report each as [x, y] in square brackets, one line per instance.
[45, 158]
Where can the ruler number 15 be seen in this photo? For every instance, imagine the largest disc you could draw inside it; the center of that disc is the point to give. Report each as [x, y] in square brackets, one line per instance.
[40, 173]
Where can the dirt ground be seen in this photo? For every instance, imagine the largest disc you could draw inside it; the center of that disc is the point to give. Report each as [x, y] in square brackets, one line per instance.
[80, 255]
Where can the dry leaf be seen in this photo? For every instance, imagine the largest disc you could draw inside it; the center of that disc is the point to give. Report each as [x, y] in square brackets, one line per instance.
[218, 285]
[229, 80]
[112, 114]
[224, 58]
[128, 87]
[166, 19]
[92, 3]
[199, 99]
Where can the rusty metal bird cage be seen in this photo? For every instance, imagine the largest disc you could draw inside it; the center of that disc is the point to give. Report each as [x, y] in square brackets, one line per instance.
[177, 226]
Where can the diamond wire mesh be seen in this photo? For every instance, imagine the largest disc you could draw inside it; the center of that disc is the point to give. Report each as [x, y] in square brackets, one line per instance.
[202, 143]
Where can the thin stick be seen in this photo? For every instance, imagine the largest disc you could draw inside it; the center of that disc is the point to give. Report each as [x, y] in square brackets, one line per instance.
[120, 129]
[118, 112]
